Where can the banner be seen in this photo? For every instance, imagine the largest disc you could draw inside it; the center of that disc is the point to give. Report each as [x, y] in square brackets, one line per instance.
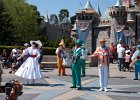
[126, 3]
[82, 30]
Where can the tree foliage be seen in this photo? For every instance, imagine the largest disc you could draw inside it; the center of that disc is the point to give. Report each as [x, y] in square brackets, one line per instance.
[73, 18]
[6, 26]
[24, 19]
[63, 13]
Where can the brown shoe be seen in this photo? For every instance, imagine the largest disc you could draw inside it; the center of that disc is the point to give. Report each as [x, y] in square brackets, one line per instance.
[64, 74]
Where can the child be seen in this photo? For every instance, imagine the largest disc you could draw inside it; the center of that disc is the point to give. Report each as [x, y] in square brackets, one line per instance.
[127, 60]
[13, 68]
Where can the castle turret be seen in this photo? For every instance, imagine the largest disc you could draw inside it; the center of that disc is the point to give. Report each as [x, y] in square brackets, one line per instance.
[137, 4]
[98, 10]
[46, 18]
[88, 13]
[118, 21]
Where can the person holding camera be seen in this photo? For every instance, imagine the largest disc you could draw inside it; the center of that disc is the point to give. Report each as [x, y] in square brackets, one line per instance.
[13, 90]
[76, 65]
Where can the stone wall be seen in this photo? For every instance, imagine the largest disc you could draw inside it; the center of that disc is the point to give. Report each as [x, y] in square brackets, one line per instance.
[53, 31]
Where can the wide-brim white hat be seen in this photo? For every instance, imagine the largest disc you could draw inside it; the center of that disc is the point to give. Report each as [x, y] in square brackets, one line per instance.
[37, 42]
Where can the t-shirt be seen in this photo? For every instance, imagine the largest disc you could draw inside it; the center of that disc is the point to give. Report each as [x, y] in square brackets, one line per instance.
[121, 52]
[15, 53]
[127, 58]
[118, 46]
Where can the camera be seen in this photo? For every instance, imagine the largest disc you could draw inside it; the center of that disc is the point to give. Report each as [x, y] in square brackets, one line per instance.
[8, 88]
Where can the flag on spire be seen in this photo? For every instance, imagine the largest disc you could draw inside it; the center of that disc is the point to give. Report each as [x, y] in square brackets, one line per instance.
[126, 3]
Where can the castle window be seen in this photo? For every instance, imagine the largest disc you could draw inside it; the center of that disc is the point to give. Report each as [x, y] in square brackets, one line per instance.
[79, 18]
[87, 18]
[117, 12]
[90, 17]
[83, 18]
[113, 13]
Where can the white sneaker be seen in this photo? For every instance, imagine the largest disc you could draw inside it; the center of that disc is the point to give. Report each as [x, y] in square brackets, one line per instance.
[105, 89]
[101, 89]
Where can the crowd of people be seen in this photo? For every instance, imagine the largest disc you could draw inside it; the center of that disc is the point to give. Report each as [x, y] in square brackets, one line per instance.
[11, 60]
[26, 62]
[126, 57]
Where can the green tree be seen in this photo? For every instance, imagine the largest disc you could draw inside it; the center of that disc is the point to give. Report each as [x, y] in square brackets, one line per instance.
[63, 13]
[73, 18]
[6, 26]
[25, 19]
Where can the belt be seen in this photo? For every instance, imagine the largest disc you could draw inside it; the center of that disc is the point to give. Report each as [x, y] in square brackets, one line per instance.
[33, 56]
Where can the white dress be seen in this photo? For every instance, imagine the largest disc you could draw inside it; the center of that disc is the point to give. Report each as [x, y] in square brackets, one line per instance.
[30, 69]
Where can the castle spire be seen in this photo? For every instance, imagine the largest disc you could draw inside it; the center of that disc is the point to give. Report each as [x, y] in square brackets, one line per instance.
[98, 10]
[88, 5]
[46, 18]
[119, 3]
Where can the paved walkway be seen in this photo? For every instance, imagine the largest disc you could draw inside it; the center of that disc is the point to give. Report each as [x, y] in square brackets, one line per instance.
[53, 87]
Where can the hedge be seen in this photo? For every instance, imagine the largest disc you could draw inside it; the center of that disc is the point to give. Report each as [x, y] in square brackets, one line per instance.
[46, 50]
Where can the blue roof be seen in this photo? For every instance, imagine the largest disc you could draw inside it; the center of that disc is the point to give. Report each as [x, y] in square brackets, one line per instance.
[98, 10]
[65, 20]
[119, 3]
[46, 18]
[88, 5]
[106, 15]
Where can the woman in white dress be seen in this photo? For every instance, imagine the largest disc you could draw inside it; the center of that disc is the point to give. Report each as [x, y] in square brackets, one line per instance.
[30, 69]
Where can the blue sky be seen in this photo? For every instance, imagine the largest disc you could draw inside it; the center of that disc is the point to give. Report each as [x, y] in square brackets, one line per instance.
[54, 6]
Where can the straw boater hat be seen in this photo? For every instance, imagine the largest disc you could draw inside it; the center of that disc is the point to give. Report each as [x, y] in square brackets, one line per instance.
[37, 42]
[102, 40]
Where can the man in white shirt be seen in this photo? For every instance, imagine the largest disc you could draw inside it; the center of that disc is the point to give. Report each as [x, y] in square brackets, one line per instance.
[119, 45]
[14, 54]
[121, 57]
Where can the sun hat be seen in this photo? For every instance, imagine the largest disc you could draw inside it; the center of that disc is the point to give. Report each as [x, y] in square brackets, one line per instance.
[102, 40]
[37, 42]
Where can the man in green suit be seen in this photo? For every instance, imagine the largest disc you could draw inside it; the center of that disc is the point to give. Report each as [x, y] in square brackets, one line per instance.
[76, 65]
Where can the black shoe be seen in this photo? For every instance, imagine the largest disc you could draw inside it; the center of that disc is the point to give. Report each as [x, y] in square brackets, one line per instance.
[73, 87]
[136, 79]
[79, 88]
[82, 75]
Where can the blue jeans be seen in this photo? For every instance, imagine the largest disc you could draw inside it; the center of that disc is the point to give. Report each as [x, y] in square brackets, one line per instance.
[121, 63]
[137, 69]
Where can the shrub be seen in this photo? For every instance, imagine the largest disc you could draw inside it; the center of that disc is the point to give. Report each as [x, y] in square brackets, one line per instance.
[46, 50]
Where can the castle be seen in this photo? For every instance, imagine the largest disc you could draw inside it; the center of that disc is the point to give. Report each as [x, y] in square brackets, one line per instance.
[120, 22]
[53, 28]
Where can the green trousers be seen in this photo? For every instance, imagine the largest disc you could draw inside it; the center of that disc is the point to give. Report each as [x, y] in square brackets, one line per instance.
[83, 64]
[76, 74]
